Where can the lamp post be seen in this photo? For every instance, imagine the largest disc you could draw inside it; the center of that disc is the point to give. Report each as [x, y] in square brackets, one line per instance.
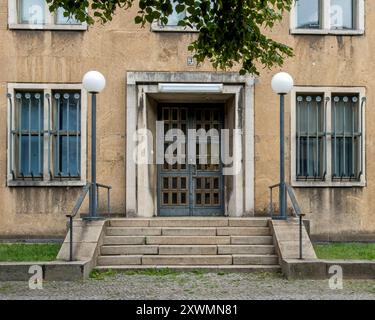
[93, 82]
[281, 84]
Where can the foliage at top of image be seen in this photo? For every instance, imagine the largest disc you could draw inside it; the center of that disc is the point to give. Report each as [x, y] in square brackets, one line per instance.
[230, 32]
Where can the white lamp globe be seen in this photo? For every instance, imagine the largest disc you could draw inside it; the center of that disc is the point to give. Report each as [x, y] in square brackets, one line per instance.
[282, 83]
[93, 81]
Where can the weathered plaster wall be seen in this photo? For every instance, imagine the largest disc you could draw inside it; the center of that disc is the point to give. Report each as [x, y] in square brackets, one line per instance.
[120, 46]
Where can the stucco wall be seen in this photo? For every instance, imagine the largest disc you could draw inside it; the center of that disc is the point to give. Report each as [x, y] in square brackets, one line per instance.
[121, 46]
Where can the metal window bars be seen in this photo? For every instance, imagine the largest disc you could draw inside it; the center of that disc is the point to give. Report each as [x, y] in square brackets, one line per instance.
[311, 137]
[66, 136]
[347, 137]
[29, 157]
[26, 124]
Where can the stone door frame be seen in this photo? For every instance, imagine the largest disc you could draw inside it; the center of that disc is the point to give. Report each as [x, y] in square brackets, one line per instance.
[140, 202]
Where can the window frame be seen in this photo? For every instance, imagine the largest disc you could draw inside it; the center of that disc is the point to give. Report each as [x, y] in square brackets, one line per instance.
[327, 92]
[50, 20]
[47, 179]
[157, 27]
[325, 29]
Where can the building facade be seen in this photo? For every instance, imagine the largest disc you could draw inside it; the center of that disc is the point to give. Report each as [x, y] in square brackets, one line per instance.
[151, 78]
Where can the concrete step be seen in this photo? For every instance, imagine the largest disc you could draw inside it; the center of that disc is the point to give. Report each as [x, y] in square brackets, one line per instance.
[251, 240]
[203, 268]
[119, 260]
[189, 222]
[243, 231]
[128, 250]
[256, 259]
[129, 222]
[131, 240]
[248, 222]
[187, 240]
[245, 249]
[187, 260]
[187, 249]
[133, 231]
[186, 231]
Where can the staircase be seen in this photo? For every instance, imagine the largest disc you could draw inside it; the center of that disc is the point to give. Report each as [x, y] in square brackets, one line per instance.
[184, 243]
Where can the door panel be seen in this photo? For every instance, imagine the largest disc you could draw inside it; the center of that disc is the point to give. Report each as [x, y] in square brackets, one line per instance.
[192, 189]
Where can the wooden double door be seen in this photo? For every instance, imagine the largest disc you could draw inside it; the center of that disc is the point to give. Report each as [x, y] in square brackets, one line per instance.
[188, 187]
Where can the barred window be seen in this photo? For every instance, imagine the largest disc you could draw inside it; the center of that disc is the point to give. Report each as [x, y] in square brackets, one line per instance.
[346, 136]
[329, 139]
[310, 133]
[45, 134]
[28, 134]
[66, 133]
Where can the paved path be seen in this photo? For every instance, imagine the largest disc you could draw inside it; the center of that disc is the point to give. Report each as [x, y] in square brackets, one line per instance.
[189, 286]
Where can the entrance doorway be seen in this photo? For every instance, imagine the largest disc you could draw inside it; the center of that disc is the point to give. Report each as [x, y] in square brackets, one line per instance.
[192, 188]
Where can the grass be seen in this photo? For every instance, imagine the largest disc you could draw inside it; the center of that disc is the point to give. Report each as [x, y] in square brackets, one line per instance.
[152, 272]
[17, 252]
[348, 251]
[101, 275]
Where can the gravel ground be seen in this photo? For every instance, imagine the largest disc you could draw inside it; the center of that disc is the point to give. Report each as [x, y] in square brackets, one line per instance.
[189, 286]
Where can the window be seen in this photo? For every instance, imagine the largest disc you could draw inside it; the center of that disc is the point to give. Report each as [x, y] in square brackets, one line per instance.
[341, 13]
[66, 133]
[35, 14]
[308, 14]
[172, 24]
[47, 130]
[28, 134]
[175, 17]
[61, 19]
[327, 17]
[32, 11]
[328, 136]
[310, 136]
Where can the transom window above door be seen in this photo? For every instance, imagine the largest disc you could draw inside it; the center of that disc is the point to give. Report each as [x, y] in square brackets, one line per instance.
[46, 135]
[327, 17]
[35, 14]
[328, 136]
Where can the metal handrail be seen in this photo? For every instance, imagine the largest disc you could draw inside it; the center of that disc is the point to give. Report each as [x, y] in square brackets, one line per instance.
[296, 209]
[78, 205]
[271, 206]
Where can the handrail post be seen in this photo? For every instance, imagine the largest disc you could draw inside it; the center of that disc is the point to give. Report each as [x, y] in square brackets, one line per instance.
[300, 237]
[271, 208]
[71, 238]
[109, 200]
